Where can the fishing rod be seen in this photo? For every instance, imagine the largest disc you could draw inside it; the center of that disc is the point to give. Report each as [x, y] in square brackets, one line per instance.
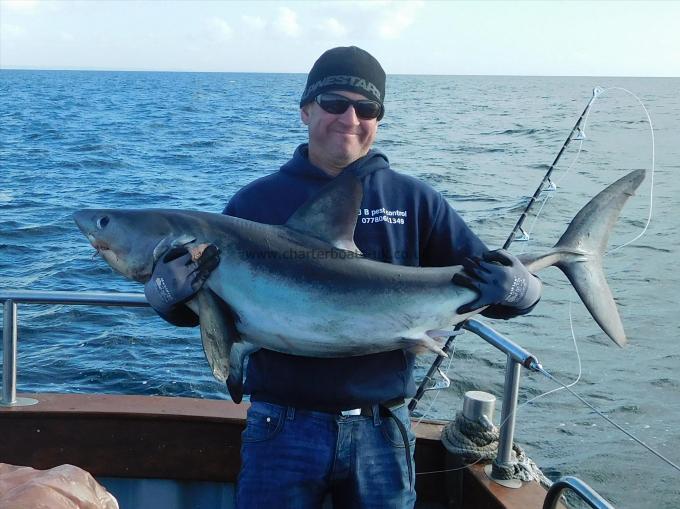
[546, 178]
[518, 227]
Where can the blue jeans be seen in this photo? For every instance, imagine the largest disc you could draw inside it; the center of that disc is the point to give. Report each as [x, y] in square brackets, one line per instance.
[292, 458]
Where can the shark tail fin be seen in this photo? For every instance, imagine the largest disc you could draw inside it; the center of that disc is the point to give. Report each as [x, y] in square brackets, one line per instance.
[580, 250]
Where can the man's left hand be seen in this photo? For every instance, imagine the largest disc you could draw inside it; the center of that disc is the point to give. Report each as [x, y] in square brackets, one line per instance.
[499, 278]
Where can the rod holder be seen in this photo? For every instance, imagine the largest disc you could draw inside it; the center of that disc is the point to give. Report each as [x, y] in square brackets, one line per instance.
[517, 357]
[505, 345]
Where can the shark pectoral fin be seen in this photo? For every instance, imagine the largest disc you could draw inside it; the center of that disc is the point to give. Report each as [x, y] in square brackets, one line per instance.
[237, 357]
[218, 332]
[168, 243]
[442, 333]
[427, 343]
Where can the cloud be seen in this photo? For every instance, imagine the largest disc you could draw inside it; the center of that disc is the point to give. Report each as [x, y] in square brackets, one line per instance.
[386, 19]
[398, 19]
[287, 22]
[361, 5]
[219, 28]
[20, 5]
[333, 27]
[254, 22]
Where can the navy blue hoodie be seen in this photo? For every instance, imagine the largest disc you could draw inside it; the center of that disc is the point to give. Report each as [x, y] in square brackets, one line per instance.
[402, 221]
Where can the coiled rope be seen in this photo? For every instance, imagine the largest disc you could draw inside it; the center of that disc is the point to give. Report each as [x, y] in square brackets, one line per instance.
[478, 441]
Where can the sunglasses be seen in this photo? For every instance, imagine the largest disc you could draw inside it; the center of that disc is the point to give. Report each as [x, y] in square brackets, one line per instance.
[337, 104]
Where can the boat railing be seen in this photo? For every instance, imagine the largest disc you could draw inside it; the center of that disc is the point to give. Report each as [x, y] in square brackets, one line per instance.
[579, 488]
[516, 355]
[12, 298]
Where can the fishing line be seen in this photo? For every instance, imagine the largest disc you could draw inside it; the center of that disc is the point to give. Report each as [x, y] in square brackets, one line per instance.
[449, 469]
[549, 193]
[597, 92]
[431, 405]
[610, 421]
[651, 187]
[578, 358]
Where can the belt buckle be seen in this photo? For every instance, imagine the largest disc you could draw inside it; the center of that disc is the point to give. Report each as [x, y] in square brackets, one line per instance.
[353, 411]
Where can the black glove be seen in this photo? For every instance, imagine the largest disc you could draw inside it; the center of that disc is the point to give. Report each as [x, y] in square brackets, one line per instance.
[499, 278]
[176, 278]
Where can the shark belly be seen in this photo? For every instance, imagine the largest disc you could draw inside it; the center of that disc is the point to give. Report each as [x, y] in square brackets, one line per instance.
[309, 316]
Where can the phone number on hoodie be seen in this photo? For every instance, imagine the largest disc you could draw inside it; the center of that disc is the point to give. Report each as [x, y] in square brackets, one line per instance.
[386, 219]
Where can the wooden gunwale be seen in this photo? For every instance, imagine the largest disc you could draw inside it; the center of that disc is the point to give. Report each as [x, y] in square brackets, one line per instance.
[189, 439]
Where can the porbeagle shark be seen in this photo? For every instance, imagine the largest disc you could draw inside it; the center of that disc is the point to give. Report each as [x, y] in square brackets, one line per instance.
[304, 288]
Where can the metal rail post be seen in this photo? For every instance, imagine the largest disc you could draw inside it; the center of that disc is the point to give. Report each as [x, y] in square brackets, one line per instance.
[9, 358]
[510, 394]
[507, 432]
[9, 354]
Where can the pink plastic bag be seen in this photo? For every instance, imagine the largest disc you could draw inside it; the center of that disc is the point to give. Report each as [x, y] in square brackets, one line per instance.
[62, 487]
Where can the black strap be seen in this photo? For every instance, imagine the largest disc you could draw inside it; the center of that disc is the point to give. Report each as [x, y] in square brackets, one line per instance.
[385, 411]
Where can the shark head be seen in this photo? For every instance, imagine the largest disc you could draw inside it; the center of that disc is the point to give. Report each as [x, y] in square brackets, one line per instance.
[129, 240]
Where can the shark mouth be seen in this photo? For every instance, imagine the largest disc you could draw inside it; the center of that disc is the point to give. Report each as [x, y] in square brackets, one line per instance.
[99, 246]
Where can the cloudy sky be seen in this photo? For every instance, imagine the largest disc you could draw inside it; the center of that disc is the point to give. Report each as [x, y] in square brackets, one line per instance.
[423, 37]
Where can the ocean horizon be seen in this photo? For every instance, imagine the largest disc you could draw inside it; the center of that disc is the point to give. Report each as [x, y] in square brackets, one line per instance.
[188, 71]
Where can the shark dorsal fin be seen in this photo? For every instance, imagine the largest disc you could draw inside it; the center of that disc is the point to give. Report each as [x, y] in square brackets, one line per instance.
[331, 214]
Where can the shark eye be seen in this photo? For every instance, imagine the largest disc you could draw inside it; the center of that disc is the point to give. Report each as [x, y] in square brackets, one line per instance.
[102, 222]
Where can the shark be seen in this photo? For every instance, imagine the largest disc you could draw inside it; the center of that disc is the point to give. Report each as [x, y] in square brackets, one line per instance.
[304, 288]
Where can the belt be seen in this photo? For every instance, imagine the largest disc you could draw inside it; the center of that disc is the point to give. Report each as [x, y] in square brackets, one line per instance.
[368, 410]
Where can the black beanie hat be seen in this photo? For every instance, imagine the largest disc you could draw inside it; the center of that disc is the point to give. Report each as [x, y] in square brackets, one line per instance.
[346, 68]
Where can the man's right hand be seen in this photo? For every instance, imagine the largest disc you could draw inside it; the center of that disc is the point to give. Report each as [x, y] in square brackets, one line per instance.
[176, 278]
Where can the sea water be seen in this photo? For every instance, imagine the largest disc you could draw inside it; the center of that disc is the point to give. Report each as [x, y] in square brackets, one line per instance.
[70, 140]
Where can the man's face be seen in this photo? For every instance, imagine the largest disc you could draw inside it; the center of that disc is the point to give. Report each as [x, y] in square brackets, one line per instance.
[337, 140]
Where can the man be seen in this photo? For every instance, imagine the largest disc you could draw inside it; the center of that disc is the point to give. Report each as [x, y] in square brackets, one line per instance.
[341, 426]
